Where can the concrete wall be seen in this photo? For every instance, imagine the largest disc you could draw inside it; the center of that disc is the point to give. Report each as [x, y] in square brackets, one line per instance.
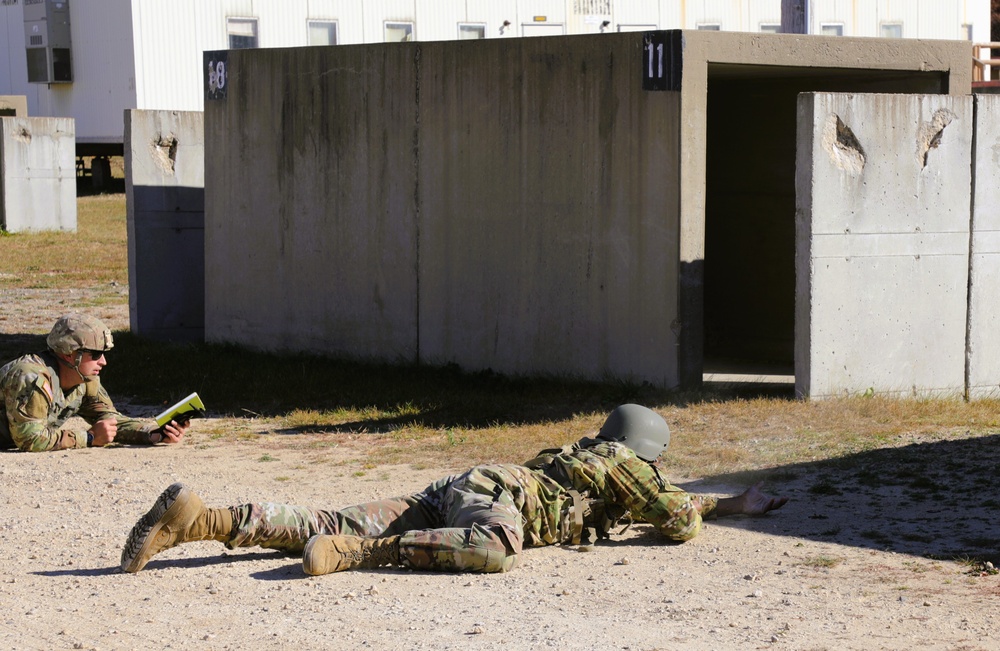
[311, 214]
[14, 106]
[740, 90]
[37, 174]
[984, 270]
[520, 205]
[883, 195]
[165, 198]
[547, 210]
[509, 204]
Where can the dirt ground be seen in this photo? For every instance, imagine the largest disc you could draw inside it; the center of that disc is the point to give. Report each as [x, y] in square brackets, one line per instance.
[844, 565]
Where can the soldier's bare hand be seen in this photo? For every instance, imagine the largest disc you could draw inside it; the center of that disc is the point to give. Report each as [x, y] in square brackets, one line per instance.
[757, 502]
[104, 431]
[173, 431]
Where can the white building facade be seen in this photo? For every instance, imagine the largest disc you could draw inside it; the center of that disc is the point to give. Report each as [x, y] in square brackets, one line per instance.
[147, 54]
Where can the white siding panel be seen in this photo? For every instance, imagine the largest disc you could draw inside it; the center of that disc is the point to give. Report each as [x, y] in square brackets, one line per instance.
[834, 12]
[977, 14]
[672, 14]
[939, 20]
[639, 12]
[760, 12]
[377, 12]
[9, 15]
[554, 13]
[494, 13]
[14, 67]
[897, 11]
[281, 23]
[728, 14]
[857, 16]
[169, 54]
[210, 21]
[587, 16]
[103, 74]
[438, 19]
[348, 14]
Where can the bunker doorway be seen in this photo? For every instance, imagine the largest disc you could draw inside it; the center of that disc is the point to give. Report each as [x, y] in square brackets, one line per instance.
[749, 271]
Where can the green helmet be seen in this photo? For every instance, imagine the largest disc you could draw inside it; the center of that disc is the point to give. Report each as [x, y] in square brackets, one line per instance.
[638, 427]
[73, 332]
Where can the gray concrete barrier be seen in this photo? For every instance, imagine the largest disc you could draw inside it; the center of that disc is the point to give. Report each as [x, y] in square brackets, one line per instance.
[883, 194]
[984, 269]
[37, 174]
[165, 197]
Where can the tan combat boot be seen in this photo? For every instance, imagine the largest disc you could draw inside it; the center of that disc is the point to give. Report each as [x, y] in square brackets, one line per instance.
[324, 554]
[178, 516]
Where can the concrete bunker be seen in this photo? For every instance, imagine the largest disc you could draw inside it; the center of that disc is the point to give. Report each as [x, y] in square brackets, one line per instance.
[749, 262]
[533, 206]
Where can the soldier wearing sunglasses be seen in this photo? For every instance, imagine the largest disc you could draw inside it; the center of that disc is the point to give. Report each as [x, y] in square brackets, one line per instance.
[41, 391]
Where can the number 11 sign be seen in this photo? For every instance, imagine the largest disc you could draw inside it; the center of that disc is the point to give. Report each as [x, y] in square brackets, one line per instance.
[661, 60]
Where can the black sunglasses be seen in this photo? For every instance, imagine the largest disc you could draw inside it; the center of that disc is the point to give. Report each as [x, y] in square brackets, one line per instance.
[94, 354]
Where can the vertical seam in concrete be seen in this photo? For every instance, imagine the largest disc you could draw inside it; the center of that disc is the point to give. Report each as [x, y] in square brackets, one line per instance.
[416, 194]
[972, 233]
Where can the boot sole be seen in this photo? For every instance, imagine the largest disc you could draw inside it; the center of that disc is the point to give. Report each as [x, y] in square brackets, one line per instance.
[144, 532]
[310, 561]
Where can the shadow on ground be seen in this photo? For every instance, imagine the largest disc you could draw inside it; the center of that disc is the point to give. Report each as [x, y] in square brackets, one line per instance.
[935, 499]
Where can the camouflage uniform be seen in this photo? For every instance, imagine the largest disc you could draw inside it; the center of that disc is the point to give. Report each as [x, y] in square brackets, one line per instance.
[480, 520]
[34, 407]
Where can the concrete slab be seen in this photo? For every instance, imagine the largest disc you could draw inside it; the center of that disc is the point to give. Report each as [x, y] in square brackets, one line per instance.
[37, 174]
[548, 211]
[311, 201]
[883, 187]
[984, 270]
[165, 198]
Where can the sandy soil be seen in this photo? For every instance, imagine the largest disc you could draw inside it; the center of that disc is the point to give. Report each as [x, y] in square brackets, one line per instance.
[844, 566]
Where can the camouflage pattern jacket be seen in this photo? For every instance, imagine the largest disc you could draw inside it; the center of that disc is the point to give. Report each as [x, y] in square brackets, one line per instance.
[34, 408]
[610, 484]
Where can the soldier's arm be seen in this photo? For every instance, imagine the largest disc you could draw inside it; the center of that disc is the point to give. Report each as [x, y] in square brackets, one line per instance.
[28, 417]
[638, 488]
[97, 405]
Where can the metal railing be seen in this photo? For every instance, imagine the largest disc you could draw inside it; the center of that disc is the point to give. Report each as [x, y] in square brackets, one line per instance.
[982, 60]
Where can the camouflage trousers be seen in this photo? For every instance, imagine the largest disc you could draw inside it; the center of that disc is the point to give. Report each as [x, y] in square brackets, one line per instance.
[473, 522]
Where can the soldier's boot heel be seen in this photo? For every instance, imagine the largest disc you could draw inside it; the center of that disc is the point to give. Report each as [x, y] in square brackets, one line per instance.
[324, 554]
[177, 516]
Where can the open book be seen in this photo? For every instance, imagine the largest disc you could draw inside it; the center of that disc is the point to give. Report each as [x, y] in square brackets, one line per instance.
[186, 409]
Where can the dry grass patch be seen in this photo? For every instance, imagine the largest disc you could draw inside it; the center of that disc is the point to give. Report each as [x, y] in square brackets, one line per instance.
[95, 255]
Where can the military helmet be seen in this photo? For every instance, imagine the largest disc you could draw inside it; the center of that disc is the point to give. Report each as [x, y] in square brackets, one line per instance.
[73, 332]
[638, 427]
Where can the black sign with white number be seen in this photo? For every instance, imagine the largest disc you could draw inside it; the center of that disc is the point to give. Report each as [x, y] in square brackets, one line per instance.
[216, 74]
[661, 60]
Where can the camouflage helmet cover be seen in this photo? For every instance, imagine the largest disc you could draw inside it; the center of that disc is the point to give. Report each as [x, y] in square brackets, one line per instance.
[73, 332]
[638, 427]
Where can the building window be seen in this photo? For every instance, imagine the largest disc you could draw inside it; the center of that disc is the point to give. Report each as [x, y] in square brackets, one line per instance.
[831, 29]
[242, 33]
[471, 31]
[892, 30]
[967, 31]
[398, 32]
[770, 28]
[710, 27]
[322, 32]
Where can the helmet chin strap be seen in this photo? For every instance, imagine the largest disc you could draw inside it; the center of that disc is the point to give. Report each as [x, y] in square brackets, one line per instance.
[75, 365]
